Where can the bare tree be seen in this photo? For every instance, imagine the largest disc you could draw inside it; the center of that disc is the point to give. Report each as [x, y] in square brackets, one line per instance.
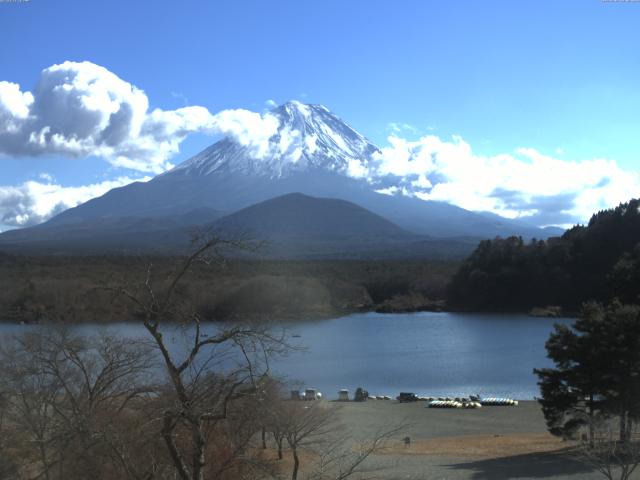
[343, 458]
[94, 407]
[315, 427]
[69, 398]
[30, 396]
[604, 451]
[271, 412]
[305, 425]
[216, 369]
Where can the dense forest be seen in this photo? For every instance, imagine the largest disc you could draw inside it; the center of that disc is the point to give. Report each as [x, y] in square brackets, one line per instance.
[77, 289]
[586, 263]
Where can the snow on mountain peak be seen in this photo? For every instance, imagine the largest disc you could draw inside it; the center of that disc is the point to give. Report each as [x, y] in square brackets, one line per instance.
[308, 137]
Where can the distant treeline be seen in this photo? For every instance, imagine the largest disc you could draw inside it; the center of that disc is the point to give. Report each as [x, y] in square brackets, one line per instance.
[77, 289]
[599, 261]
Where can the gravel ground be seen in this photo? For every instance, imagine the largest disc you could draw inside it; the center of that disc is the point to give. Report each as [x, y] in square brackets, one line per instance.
[486, 443]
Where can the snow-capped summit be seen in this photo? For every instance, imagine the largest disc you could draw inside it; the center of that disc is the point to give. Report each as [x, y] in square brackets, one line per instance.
[308, 137]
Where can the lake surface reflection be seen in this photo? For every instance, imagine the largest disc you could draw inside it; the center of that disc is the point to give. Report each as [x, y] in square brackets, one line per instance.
[436, 354]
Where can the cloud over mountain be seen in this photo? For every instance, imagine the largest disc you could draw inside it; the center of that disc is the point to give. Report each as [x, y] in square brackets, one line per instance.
[82, 109]
[34, 201]
[526, 183]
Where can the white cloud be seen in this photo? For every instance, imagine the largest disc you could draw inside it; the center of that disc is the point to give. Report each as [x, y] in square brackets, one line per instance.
[311, 143]
[397, 128]
[356, 169]
[14, 107]
[422, 182]
[250, 129]
[82, 109]
[34, 202]
[389, 191]
[271, 103]
[525, 183]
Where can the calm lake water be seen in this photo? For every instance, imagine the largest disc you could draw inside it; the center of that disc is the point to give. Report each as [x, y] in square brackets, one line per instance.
[435, 354]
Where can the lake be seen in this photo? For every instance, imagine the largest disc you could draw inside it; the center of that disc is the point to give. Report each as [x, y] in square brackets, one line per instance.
[435, 354]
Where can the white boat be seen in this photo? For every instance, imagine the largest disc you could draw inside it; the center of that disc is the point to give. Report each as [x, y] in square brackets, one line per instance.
[498, 402]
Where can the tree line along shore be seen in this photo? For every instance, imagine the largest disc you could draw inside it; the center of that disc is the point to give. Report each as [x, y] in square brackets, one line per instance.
[596, 262]
[77, 289]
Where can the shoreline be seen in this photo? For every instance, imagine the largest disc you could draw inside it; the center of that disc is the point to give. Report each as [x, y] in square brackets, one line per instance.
[309, 317]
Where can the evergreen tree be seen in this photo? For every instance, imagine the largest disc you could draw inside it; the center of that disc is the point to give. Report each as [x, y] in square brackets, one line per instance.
[597, 371]
[624, 279]
[596, 262]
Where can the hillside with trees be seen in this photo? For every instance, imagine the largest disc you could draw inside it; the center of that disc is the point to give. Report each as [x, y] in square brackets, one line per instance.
[598, 261]
[45, 289]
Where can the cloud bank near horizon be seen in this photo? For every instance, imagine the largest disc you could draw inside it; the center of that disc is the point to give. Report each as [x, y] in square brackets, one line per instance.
[36, 201]
[526, 184]
[80, 109]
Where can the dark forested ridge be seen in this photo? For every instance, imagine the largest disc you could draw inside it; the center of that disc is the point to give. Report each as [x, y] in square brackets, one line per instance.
[586, 263]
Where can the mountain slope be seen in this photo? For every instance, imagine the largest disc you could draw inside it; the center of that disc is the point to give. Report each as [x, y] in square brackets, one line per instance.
[297, 215]
[292, 226]
[313, 152]
[299, 226]
[113, 234]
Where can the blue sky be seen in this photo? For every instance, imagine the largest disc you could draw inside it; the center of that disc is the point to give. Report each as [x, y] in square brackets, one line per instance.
[557, 77]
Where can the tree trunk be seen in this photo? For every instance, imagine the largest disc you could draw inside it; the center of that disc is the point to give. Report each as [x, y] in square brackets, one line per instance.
[591, 426]
[623, 427]
[61, 473]
[296, 464]
[43, 459]
[176, 457]
[199, 443]
[279, 439]
[264, 438]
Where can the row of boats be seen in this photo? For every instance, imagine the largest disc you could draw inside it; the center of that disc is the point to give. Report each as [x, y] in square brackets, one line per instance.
[499, 402]
[472, 402]
[453, 404]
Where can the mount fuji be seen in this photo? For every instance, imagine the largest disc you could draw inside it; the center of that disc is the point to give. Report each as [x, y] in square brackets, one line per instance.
[313, 153]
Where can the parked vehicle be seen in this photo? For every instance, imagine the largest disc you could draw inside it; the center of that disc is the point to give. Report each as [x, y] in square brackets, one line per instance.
[361, 395]
[312, 394]
[406, 397]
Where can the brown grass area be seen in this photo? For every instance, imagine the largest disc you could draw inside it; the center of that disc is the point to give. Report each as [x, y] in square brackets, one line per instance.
[480, 446]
